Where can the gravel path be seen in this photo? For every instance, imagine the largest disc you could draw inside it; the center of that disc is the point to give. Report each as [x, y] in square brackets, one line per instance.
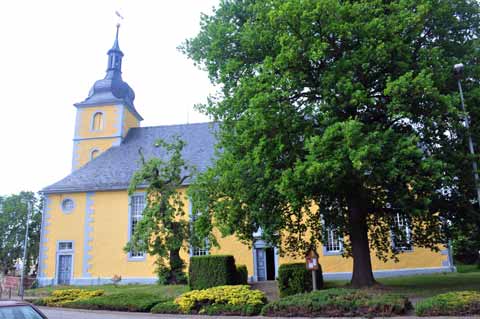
[55, 313]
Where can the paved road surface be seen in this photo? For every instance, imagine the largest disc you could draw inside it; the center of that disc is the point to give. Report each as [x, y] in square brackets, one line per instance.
[53, 313]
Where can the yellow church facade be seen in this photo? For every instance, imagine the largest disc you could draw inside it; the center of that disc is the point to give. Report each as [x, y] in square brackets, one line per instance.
[89, 216]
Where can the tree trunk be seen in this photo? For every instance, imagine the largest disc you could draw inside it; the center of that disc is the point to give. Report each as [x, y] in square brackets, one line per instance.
[362, 275]
[176, 266]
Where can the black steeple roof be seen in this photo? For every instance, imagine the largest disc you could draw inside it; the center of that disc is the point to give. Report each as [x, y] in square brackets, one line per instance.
[112, 89]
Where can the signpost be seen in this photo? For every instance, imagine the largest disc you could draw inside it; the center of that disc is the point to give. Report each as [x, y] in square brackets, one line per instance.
[312, 265]
[9, 283]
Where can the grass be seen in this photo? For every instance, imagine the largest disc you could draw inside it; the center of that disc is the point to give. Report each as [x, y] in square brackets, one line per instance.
[422, 286]
[468, 268]
[170, 291]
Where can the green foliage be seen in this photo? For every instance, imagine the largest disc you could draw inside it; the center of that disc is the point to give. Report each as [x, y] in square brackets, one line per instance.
[242, 275]
[163, 229]
[466, 244]
[59, 298]
[350, 105]
[166, 307]
[168, 291]
[338, 303]
[295, 278]
[459, 303]
[232, 310]
[212, 270]
[139, 302]
[222, 300]
[13, 216]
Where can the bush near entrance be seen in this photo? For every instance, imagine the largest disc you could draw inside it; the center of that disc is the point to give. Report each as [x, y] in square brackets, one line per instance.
[212, 270]
[458, 303]
[242, 275]
[295, 278]
[339, 302]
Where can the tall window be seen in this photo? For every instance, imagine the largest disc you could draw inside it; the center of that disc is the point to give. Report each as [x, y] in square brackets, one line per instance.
[137, 205]
[97, 123]
[199, 251]
[334, 241]
[401, 234]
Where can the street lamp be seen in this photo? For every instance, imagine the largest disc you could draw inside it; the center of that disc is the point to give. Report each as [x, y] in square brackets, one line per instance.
[24, 259]
[458, 71]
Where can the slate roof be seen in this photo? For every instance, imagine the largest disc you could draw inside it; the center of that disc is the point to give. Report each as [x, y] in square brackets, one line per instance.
[113, 169]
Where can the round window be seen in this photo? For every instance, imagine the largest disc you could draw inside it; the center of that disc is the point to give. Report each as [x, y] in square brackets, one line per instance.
[67, 205]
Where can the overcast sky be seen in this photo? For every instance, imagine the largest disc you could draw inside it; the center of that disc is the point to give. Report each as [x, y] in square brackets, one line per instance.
[53, 51]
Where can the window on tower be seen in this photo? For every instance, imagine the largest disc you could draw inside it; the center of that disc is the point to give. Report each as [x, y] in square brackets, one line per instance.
[94, 153]
[97, 123]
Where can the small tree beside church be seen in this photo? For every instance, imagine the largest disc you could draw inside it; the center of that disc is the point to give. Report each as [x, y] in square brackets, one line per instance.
[163, 229]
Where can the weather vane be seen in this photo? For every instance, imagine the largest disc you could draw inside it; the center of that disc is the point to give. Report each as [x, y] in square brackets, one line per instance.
[120, 18]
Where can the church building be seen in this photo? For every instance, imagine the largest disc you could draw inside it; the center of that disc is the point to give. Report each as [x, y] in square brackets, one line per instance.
[89, 216]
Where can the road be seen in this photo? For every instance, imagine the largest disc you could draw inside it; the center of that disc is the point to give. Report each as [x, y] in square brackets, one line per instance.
[55, 313]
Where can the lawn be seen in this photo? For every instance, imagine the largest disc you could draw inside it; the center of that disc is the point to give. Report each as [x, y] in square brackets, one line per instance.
[421, 286]
[159, 290]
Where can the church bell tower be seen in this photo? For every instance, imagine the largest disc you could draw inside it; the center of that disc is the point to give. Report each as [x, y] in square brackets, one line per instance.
[105, 116]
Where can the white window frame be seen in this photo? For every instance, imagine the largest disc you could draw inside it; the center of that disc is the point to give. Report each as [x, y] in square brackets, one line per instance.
[331, 235]
[197, 251]
[92, 122]
[402, 225]
[134, 256]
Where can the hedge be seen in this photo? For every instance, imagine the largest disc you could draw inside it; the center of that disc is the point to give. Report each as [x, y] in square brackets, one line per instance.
[166, 307]
[295, 278]
[212, 270]
[60, 297]
[338, 303]
[242, 275]
[458, 303]
[138, 302]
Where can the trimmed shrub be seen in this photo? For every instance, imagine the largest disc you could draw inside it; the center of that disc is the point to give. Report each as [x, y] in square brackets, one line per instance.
[242, 275]
[210, 271]
[339, 302]
[234, 300]
[458, 303]
[295, 278]
[166, 307]
[58, 298]
[139, 302]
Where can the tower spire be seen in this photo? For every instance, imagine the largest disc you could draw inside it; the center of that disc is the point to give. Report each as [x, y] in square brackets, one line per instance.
[115, 56]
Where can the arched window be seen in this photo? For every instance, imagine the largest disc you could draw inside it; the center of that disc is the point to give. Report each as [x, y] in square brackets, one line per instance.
[97, 122]
[94, 153]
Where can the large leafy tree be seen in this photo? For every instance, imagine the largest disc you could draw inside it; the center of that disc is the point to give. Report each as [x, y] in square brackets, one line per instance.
[342, 114]
[13, 220]
[164, 227]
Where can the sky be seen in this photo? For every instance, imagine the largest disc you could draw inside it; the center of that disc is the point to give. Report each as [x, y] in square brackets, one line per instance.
[52, 51]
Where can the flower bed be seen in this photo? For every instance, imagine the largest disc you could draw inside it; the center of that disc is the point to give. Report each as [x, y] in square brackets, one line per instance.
[458, 303]
[340, 302]
[231, 300]
[59, 298]
[139, 302]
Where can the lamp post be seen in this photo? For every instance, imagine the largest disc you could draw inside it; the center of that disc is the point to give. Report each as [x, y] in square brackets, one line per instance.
[24, 259]
[458, 71]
